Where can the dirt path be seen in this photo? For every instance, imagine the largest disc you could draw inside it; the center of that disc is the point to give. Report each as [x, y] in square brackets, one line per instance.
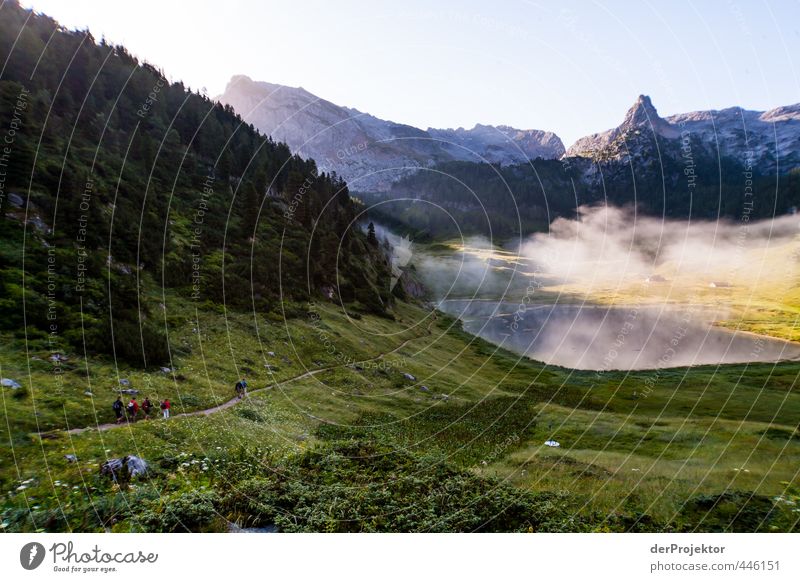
[236, 400]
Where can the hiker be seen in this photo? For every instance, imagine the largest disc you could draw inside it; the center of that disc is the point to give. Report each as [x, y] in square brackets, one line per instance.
[133, 408]
[241, 388]
[147, 406]
[165, 408]
[118, 407]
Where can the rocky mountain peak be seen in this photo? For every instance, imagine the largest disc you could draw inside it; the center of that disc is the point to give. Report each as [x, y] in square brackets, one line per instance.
[768, 136]
[641, 113]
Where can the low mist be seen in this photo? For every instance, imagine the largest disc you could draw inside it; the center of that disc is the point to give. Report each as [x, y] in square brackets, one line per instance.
[610, 245]
[675, 279]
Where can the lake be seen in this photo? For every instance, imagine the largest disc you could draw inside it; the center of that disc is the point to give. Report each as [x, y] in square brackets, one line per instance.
[594, 337]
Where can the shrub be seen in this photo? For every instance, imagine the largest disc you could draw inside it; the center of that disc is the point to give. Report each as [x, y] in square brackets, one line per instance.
[193, 512]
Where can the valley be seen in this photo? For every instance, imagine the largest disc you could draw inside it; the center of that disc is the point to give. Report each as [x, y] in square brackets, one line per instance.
[440, 330]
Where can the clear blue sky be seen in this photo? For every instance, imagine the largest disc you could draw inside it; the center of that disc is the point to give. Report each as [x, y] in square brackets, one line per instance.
[569, 67]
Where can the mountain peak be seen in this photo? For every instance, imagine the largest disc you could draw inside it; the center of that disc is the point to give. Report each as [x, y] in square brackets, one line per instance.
[642, 113]
[236, 79]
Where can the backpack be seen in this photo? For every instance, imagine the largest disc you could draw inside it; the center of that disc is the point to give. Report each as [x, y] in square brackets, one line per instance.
[163, 406]
[117, 406]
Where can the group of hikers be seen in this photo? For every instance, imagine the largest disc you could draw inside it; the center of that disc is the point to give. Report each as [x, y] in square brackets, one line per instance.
[131, 411]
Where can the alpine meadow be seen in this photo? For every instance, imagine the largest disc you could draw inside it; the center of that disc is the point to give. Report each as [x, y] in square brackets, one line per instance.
[261, 311]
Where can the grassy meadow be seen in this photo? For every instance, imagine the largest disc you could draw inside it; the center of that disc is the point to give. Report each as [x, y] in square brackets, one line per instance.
[337, 436]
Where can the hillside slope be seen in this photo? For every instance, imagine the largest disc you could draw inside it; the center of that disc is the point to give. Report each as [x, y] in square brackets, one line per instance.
[116, 181]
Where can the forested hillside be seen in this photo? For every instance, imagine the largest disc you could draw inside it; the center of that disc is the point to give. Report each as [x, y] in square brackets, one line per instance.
[116, 181]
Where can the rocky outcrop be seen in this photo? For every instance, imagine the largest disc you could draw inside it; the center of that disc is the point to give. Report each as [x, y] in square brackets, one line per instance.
[769, 141]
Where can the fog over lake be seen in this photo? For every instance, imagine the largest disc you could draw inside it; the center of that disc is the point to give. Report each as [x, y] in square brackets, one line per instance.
[590, 337]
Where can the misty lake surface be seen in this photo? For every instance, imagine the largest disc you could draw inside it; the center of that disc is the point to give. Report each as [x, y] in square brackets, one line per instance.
[592, 337]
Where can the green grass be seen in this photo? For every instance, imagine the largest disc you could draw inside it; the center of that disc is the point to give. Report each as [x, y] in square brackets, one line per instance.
[629, 460]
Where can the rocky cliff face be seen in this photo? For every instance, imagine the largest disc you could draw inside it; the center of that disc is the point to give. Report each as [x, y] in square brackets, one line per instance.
[502, 144]
[766, 140]
[372, 153]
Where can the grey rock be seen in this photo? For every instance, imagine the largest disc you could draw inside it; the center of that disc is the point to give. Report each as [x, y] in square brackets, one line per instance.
[136, 465]
[38, 224]
[408, 376]
[15, 200]
[122, 469]
[235, 528]
[71, 458]
[9, 383]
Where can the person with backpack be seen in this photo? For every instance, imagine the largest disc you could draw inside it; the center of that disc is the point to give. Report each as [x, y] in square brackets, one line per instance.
[241, 388]
[118, 409]
[147, 406]
[165, 408]
[133, 409]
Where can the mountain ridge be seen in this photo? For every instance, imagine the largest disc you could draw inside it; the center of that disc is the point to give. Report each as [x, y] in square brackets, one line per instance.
[373, 153]
[369, 152]
[769, 140]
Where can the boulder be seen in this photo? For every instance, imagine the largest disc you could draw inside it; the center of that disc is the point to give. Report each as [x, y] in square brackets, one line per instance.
[9, 383]
[15, 200]
[136, 465]
[131, 391]
[121, 470]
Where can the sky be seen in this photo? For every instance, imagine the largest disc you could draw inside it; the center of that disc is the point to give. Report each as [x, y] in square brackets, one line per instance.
[569, 67]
